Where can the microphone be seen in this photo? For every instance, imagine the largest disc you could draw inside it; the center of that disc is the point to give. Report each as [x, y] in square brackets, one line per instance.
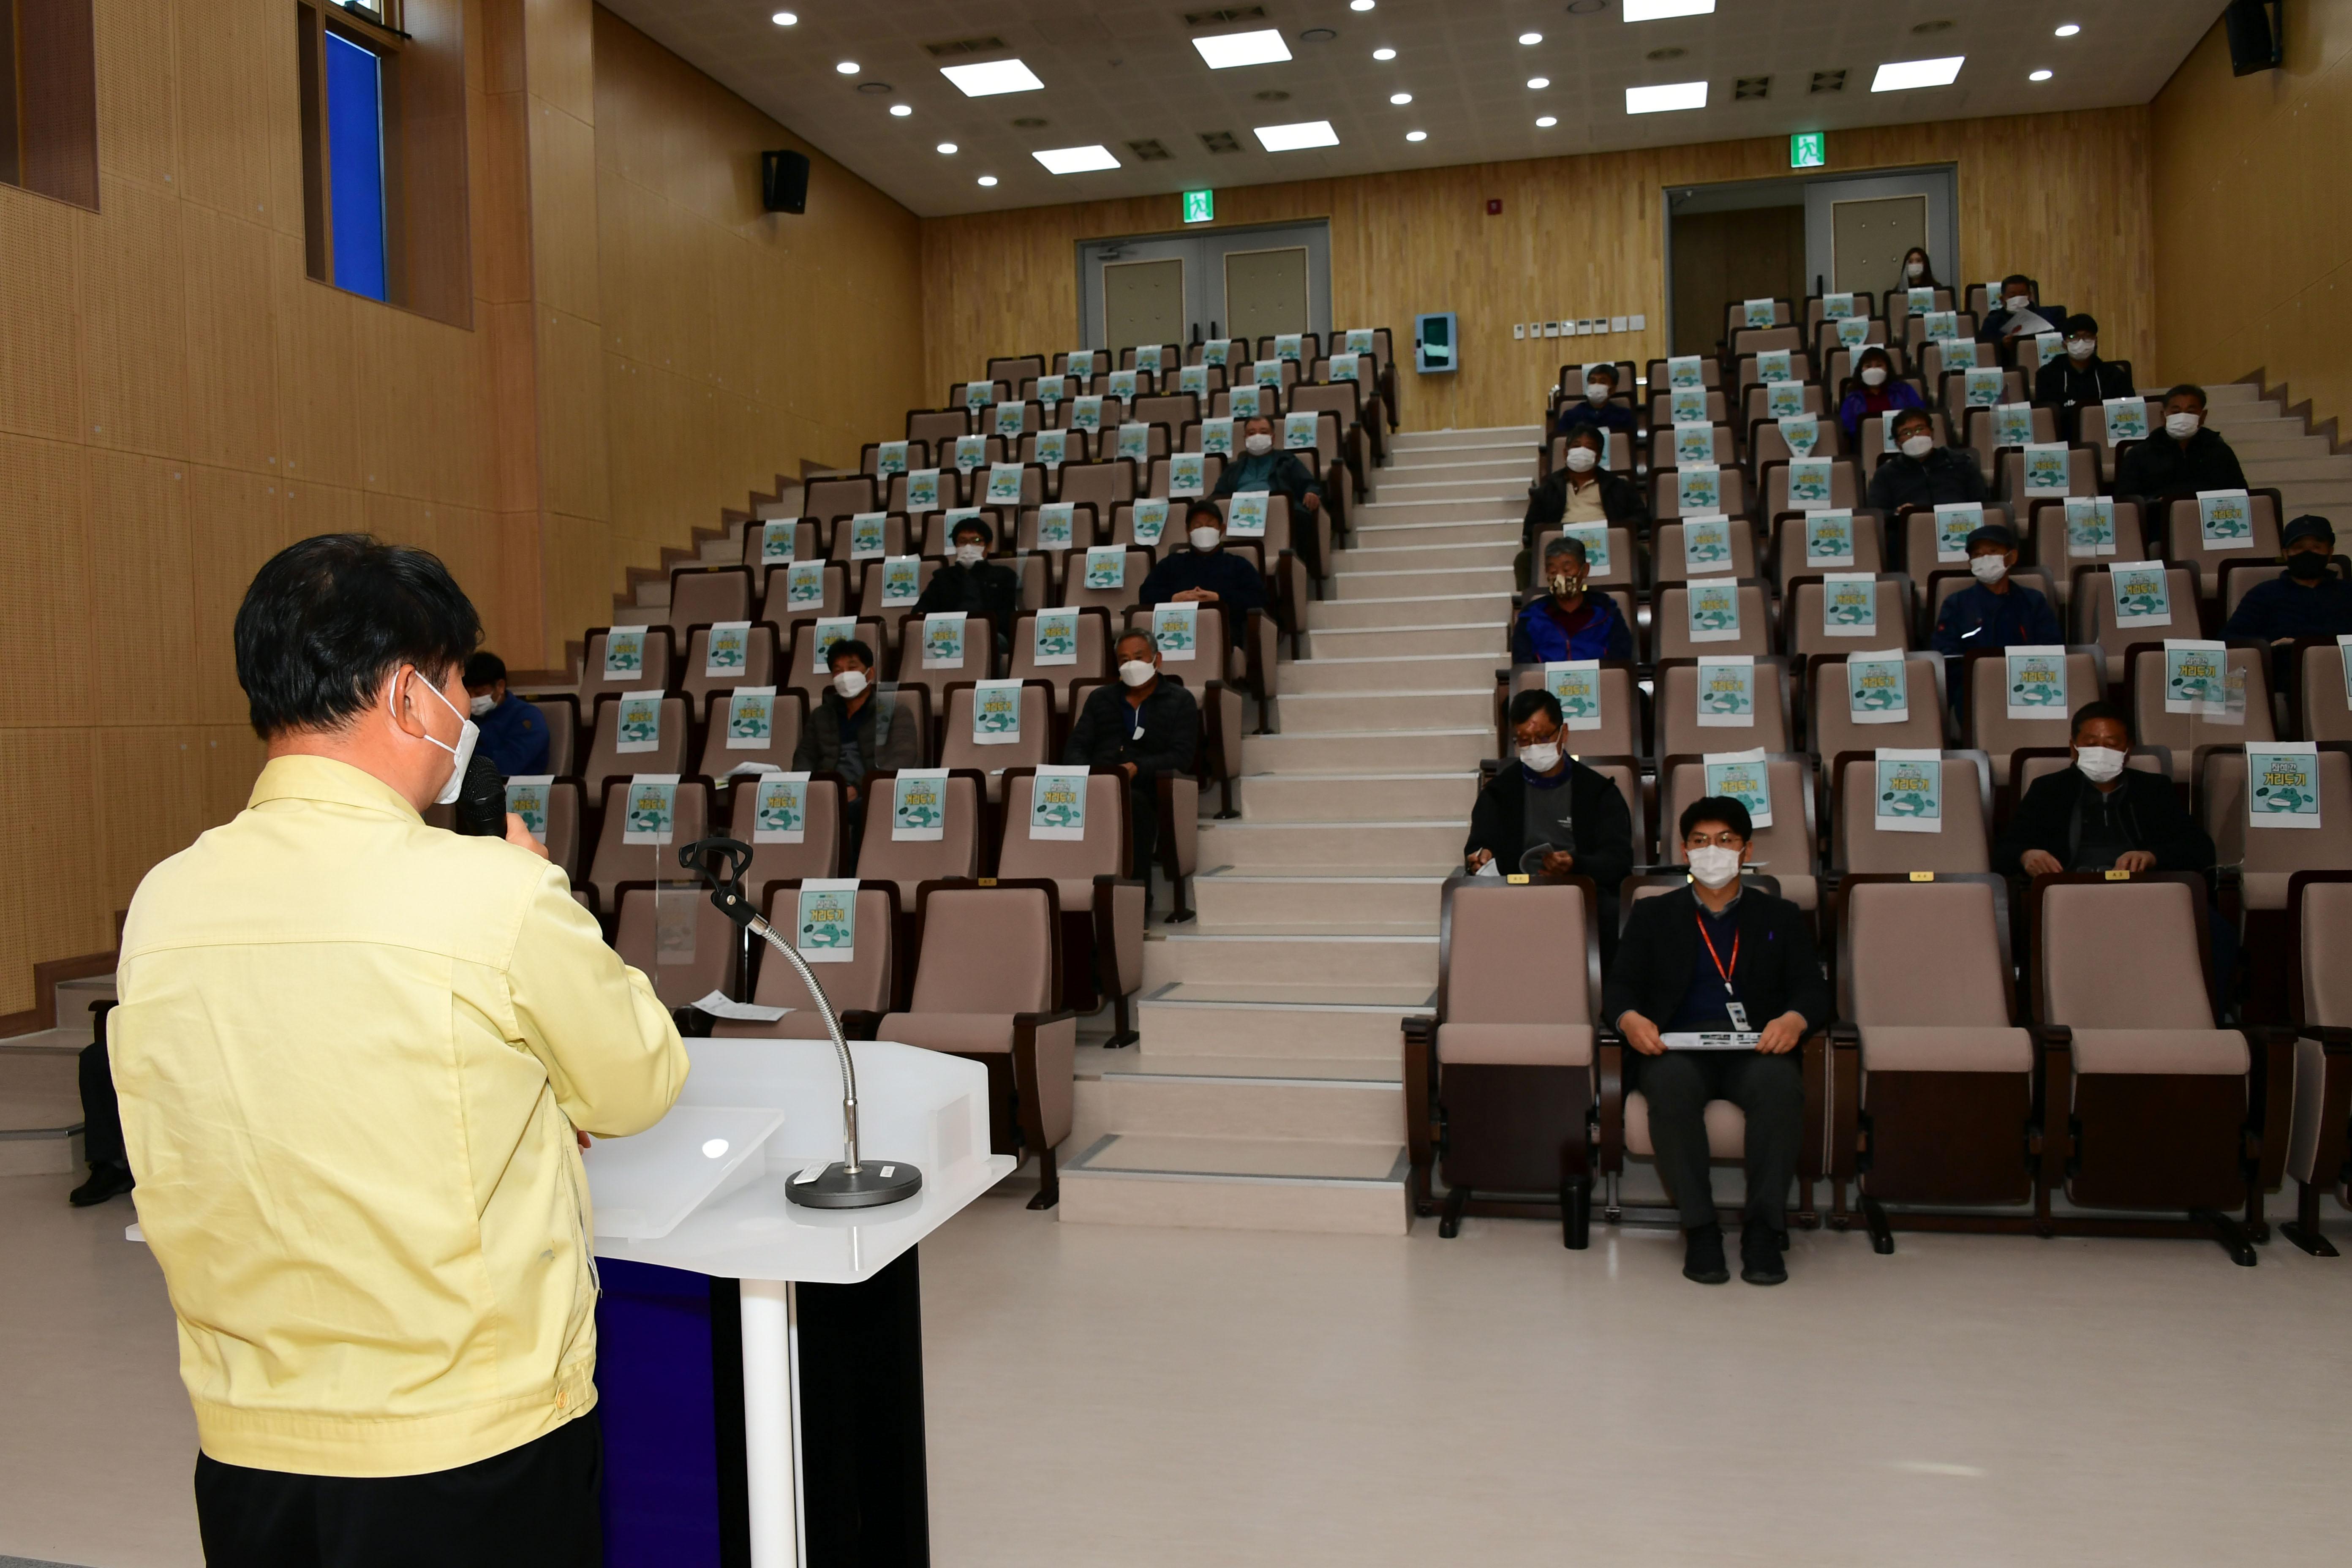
[846, 1184]
[481, 805]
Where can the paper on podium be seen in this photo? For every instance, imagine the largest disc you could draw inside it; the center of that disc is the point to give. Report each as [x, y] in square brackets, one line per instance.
[697, 1154]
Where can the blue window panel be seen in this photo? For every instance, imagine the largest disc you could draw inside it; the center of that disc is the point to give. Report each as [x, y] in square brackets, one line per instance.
[355, 165]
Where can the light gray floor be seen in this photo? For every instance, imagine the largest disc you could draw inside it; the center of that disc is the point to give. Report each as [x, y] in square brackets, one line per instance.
[1190, 1398]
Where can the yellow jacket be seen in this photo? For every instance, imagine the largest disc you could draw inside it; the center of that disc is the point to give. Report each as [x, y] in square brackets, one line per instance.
[352, 1051]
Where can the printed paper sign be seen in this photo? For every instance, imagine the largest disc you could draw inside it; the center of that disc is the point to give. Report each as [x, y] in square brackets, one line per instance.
[1052, 389]
[1217, 436]
[2127, 419]
[1298, 431]
[780, 809]
[1359, 341]
[2283, 780]
[1743, 776]
[778, 538]
[1783, 398]
[1726, 693]
[1955, 520]
[1772, 366]
[2143, 594]
[1289, 345]
[1983, 388]
[919, 803]
[1809, 483]
[1849, 605]
[1134, 442]
[651, 815]
[1918, 302]
[751, 718]
[2036, 675]
[1122, 385]
[2012, 422]
[2197, 678]
[902, 581]
[1853, 331]
[1688, 406]
[624, 652]
[730, 644]
[1086, 413]
[1802, 432]
[1347, 367]
[2226, 519]
[1106, 566]
[824, 633]
[1147, 521]
[1877, 687]
[1057, 525]
[1575, 684]
[1684, 370]
[1242, 403]
[1053, 638]
[996, 713]
[1216, 351]
[1268, 373]
[1594, 537]
[2090, 525]
[527, 798]
[2048, 470]
[1004, 483]
[1058, 803]
[1053, 447]
[1079, 363]
[1147, 359]
[805, 585]
[890, 459]
[1194, 379]
[1187, 474]
[943, 640]
[639, 722]
[1829, 539]
[827, 932]
[1943, 326]
[1837, 307]
[1693, 444]
[866, 536]
[970, 452]
[1910, 791]
[1758, 313]
[1245, 519]
[1010, 419]
[1960, 354]
[922, 491]
[1698, 490]
[978, 395]
[2049, 345]
[1707, 545]
[2344, 656]
[1178, 628]
[1714, 611]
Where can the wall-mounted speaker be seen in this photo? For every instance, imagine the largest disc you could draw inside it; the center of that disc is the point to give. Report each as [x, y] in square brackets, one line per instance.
[784, 182]
[2257, 31]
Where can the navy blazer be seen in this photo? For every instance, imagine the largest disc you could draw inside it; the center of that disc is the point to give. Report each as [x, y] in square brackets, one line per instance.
[1777, 969]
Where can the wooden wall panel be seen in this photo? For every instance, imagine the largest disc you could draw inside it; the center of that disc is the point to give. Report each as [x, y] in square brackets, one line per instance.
[232, 381]
[2252, 237]
[45, 578]
[136, 92]
[143, 554]
[133, 319]
[40, 380]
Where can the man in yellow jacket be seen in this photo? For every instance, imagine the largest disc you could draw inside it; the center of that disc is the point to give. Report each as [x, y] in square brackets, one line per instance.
[356, 1055]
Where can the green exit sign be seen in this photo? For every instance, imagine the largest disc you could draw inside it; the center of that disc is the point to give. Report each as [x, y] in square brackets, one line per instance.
[1199, 206]
[1809, 148]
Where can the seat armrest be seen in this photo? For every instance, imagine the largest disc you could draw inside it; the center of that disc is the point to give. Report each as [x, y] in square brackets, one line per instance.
[1420, 1128]
[1844, 1130]
[1814, 1062]
[1608, 1054]
[860, 1025]
[2270, 1101]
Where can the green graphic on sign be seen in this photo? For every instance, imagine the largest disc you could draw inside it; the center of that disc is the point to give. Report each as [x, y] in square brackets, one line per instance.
[1199, 206]
[1809, 148]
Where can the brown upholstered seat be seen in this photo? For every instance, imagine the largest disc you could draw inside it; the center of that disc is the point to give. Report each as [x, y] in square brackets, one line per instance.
[2268, 858]
[2185, 733]
[1990, 730]
[819, 851]
[2320, 1123]
[1101, 896]
[660, 658]
[860, 990]
[607, 760]
[1830, 724]
[699, 680]
[615, 861]
[718, 758]
[1858, 842]
[1785, 848]
[908, 863]
[1678, 729]
[680, 974]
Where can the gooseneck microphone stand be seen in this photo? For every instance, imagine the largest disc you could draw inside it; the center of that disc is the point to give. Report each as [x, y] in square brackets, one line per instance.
[847, 1182]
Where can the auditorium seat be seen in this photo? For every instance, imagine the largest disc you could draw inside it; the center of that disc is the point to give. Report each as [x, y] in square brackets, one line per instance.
[806, 537]
[699, 680]
[2319, 1140]
[606, 760]
[1768, 444]
[565, 807]
[2009, 480]
[1499, 1080]
[615, 861]
[2093, 614]
[707, 594]
[2184, 538]
[1623, 558]
[1678, 730]
[1788, 535]
[1898, 305]
[560, 712]
[805, 672]
[1103, 485]
[2262, 860]
[860, 991]
[1670, 562]
[888, 853]
[1987, 727]
[818, 851]
[832, 602]
[871, 607]
[1804, 629]
[655, 670]
[1870, 447]
[2325, 708]
[1772, 483]
[719, 758]
[1830, 726]
[1100, 895]
[687, 956]
[1670, 629]
[1011, 368]
[1085, 529]
[938, 429]
[2187, 733]
[839, 496]
[1666, 501]
[1092, 660]
[1858, 841]
[894, 543]
[987, 983]
[960, 749]
[1784, 847]
[2091, 429]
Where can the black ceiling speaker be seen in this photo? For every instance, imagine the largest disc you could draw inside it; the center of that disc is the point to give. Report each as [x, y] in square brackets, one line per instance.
[2257, 36]
[784, 182]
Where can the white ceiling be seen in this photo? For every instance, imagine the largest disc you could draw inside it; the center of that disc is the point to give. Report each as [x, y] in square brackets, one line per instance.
[1121, 70]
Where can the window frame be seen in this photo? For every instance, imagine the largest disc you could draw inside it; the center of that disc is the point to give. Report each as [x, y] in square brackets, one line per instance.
[317, 20]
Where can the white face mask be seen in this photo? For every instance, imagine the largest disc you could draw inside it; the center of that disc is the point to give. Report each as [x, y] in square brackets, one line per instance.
[1540, 758]
[1918, 446]
[1259, 444]
[2099, 764]
[1915, 269]
[969, 555]
[849, 683]
[1596, 391]
[481, 706]
[1988, 568]
[2019, 302]
[1582, 458]
[2082, 348]
[1873, 375]
[1138, 671]
[1714, 866]
[2181, 426]
[463, 752]
[1206, 538]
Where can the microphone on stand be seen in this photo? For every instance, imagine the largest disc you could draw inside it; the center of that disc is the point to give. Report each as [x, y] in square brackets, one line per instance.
[481, 804]
[847, 1182]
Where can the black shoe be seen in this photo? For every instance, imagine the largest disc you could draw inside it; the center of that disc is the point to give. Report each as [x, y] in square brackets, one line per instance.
[1703, 1255]
[1759, 1253]
[106, 1181]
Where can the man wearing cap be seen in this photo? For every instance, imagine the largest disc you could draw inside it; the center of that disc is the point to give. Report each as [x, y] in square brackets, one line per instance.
[973, 584]
[2306, 600]
[1992, 612]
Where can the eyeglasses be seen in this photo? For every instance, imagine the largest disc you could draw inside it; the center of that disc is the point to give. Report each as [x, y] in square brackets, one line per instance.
[1726, 839]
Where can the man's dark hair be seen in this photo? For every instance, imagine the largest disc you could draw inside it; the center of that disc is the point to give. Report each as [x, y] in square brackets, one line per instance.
[1603, 368]
[2081, 322]
[2016, 277]
[848, 647]
[327, 621]
[1910, 416]
[1717, 808]
[979, 525]
[1532, 701]
[2090, 712]
[1201, 504]
[1143, 634]
[2186, 389]
[484, 668]
[1564, 545]
[1590, 436]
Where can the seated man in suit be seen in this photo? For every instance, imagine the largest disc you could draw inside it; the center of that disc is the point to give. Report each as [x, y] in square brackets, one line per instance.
[2082, 376]
[2100, 815]
[1715, 959]
[1206, 574]
[973, 584]
[2187, 457]
[1594, 410]
[1550, 815]
[1921, 473]
[2014, 314]
[1145, 726]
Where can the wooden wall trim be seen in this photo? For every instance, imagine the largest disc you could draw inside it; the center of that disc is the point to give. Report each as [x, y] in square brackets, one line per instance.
[43, 1014]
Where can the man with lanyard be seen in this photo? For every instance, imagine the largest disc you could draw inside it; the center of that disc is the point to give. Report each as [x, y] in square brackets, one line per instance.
[1145, 726]
[1713, 989]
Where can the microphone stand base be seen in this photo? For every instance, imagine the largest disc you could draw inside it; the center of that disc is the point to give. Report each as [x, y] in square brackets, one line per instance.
[836, 1188]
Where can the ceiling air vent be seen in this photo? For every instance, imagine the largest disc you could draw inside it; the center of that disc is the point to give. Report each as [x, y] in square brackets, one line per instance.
[1752, 87]
[1829, 81]
[955, 48]
[1221, 142]
[1224, 14]
[1149, 152]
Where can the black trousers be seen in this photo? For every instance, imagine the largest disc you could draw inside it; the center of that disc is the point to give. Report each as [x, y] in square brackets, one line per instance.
[532, 1507]
[1143, 823]
[102, 1113]
[1769, 1089]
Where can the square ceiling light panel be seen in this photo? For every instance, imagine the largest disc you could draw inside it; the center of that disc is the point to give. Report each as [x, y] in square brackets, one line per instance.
[1658, 10]
[1076, 159]
[1900, 76]
[1670, 95]
[1291, 138]
[994, 77]
[1230, 49]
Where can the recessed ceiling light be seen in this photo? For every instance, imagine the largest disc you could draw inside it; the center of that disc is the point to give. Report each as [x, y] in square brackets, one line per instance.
[987, 179]
[1416, 135]
[1537, 83]
[902, 110]
[1360, 4]
[1658, 10]
[1531, 39]
[1076, 159]
[783, 18]
[1667, 95]
[948, 147]
[1545, 122]
[1291, 138]
[1383, 54]
[2068, 29]
[1400, 98]
[2040, 76]
[1262, 47]
[1900, 76]
[993, 78]
[847, 67]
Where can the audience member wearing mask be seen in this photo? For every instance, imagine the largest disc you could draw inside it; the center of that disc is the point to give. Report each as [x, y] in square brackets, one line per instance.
[1568, 622]
[1206, 574]
[2185, 458]
[1550, 815]
[2080, 377]
[851, 735]
[1715, 957]
[1146, 726]
[1918, 273]
[1921, 473]
[1874, 389]
[973, 584]
[1594, 411]
[1992, 612]
[513, 733]
[2307, 600]
[1261, 467]
[1581, 489]
[2014, 314]
[2098, 815]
